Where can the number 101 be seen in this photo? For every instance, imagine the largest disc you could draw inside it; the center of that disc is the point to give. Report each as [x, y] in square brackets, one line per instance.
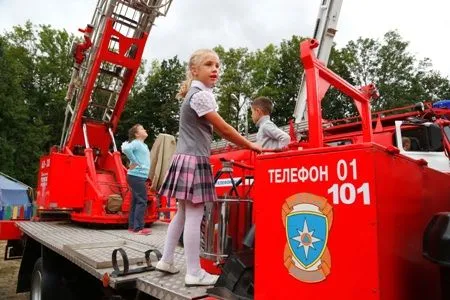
[346, 193]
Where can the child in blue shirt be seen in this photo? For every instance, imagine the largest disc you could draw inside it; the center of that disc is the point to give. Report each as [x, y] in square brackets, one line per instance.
[139, 155]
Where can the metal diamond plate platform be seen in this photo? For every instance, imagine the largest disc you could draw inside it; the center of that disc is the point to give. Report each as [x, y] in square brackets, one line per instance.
[91, 250]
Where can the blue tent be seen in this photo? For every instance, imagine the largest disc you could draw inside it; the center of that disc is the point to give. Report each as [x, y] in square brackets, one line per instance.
[12, 193]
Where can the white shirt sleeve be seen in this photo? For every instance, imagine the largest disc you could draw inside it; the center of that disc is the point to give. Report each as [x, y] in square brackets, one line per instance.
[203, 102]
[271, 130]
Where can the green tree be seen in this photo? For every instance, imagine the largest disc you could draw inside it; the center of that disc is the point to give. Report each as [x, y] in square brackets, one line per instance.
[155, 105]
[52, 75]
[50, 63]
[235, 78]
[21, 134]
[287, 80]
[273, 71]
[265, 70]
[37, 66]
[336, 105]
[400, 77]
[428, 84]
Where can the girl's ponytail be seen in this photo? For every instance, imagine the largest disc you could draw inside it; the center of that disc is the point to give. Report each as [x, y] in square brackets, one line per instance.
[185, 85]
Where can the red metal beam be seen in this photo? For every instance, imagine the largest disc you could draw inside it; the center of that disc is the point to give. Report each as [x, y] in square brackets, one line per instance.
[318, 80]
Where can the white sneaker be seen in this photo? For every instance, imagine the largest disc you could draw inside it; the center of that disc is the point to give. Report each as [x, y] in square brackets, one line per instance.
[165, 267]
[203, 279]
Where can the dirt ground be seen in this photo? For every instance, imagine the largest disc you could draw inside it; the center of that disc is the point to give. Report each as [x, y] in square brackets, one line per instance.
[8, 277]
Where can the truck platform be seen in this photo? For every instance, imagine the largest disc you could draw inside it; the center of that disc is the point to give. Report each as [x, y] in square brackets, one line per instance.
[91, 250]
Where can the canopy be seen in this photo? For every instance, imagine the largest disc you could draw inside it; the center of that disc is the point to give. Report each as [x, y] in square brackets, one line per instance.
[12, 192]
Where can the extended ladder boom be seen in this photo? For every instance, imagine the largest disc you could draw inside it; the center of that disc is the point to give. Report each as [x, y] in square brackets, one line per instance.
[324, 33]
[85, 175]
[105, 67]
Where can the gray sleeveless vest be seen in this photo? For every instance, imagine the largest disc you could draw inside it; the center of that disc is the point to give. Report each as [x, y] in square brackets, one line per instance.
[195, 133]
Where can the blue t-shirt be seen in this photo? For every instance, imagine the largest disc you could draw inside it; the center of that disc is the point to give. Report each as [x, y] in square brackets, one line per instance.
[139, 154]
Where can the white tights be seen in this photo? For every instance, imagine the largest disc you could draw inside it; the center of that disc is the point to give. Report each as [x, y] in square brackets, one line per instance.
[188, 216]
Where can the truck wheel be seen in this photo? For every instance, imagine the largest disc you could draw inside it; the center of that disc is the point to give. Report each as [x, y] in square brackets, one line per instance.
[41, 283]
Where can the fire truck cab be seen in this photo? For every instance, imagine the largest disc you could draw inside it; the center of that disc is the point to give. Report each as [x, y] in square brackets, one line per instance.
[426, 142]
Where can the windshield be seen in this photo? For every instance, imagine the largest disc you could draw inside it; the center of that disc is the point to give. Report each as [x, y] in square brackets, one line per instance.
[423, 138]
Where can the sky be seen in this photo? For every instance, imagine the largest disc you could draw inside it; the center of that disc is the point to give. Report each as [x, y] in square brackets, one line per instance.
[193, 24]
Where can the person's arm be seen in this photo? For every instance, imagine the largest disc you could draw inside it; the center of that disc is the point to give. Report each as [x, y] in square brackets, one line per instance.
[272, 131]
[226, 131]
[204, 104]
[128, 150]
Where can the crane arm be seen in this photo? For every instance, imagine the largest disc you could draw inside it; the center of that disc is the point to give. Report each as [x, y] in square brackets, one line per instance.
[105, 66]
[324, 32]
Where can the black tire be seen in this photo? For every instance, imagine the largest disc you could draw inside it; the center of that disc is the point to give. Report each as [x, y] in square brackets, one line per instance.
[43, 284]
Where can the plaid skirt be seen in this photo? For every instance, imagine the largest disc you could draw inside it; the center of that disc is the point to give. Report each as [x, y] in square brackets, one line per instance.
[189, 178]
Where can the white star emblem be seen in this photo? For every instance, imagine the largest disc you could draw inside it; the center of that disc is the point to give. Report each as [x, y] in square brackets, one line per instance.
[306, 239]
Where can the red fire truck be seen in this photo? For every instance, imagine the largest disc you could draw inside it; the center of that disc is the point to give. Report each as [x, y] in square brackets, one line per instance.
[347, 211]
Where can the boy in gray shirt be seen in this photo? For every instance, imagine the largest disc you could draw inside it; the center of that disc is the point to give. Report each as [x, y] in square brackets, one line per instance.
[269, 136]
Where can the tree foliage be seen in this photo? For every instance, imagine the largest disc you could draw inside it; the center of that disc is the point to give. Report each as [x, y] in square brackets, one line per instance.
[274, 71]
[400, 77]
[155, 106]
[22, 132]
[36, 66]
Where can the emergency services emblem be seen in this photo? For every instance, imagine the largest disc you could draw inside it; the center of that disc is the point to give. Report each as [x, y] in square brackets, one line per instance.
[307, 219]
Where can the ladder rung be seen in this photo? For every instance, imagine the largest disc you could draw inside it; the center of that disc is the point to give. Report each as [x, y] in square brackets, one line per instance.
[117, 17]
[126, 24]
[106, 90]
[69, 108]
[111, 73]
[107, 117]
[100, 105]
[94, 121]
[141, 7]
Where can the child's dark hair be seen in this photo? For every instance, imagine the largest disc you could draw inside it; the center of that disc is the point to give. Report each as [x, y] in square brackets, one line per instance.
[132, 132]
[264, 104]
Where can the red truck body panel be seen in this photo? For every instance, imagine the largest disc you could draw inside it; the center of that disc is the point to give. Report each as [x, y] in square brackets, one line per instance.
[366, 209]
